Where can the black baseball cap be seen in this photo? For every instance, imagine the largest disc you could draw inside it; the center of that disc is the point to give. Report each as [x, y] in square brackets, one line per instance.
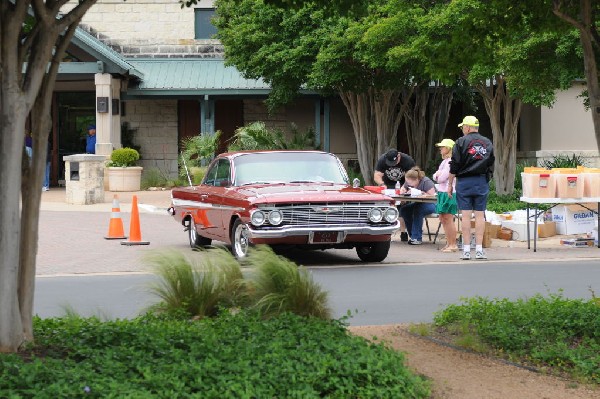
[391, 157]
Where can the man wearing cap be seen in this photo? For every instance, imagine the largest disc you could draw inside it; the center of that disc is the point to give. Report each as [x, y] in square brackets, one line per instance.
[472, 165]
[90, 140]
[390, 169]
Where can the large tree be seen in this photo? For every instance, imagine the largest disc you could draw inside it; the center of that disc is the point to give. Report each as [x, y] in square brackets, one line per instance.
[510, 54]
[314, 48]
[34, 35]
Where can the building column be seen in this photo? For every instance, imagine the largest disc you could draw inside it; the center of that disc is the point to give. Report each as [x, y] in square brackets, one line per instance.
[115, 113]
[207, 116]
[317, 122]
[326, 124]
[108, 117]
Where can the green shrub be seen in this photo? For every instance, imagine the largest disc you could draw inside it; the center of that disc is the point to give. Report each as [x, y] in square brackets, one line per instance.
[123, 157]
[505, 203]
[564, 161]
[231, 356]
[154, 177]
[256, 136]
[198, 151]
[278, 285]
[198, 288]
[547, 331]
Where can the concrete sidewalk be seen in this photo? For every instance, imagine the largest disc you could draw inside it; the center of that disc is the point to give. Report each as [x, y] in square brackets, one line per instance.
[152, 201]
[165, 232]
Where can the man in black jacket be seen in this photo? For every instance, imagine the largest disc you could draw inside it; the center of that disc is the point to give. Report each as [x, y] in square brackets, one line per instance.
[472, 165]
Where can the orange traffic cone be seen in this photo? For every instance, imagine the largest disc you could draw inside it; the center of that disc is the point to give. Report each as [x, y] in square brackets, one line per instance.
[135, 234]
[115, 227]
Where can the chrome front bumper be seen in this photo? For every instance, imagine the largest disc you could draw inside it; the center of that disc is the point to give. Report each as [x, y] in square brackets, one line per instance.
[290, 231]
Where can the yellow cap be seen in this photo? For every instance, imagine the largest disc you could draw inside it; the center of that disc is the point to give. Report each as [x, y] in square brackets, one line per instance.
[446, 143]
[469, 120]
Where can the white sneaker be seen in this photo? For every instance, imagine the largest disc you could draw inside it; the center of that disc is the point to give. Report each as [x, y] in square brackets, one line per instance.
[45, 189]
[480, 255]
[466, 256]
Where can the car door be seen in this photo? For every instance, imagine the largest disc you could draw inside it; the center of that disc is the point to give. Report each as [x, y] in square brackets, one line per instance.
[215, 215]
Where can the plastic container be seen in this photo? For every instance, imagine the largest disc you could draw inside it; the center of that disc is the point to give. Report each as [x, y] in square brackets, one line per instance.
[591, 182]
[539, 185]
[569, 185]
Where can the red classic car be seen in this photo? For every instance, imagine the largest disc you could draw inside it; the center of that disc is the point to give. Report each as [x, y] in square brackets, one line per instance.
[300, 198]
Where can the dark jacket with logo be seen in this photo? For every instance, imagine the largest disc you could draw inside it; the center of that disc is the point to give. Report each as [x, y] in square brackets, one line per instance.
[472, 155]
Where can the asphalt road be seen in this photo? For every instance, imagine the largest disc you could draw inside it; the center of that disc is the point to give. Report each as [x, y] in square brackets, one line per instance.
[373, 294]
[78, 270]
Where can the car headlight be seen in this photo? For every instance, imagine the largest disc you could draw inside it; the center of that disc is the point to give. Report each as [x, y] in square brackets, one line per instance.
[275, 217]
[257, 218]
[375, 215]
[390, 215]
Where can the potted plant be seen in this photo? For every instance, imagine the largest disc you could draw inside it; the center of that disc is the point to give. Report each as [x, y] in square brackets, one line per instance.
[123, 174]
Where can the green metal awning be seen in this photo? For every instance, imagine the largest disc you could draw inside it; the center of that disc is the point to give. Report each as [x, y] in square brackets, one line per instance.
[192, 77]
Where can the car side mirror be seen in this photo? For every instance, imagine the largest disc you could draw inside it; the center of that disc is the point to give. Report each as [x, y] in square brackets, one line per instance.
[356, 182]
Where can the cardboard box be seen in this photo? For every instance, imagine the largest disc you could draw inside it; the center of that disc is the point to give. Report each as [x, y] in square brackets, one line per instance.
[546, 229]
[578, 242]
[492, 229]
[574, 219]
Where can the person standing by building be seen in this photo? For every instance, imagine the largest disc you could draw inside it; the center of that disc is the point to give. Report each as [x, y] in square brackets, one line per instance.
[472, 165]
[446, 205]
[29, 145]
[46, 185]
[90, 141]
[389, 170]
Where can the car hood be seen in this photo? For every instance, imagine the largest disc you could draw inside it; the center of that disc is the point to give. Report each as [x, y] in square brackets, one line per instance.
[301, 192]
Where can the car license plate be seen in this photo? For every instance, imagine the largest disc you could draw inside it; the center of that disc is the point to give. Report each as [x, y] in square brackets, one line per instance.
[326, 237]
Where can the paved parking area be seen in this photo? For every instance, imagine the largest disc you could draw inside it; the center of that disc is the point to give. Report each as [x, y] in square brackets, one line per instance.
[71, 240]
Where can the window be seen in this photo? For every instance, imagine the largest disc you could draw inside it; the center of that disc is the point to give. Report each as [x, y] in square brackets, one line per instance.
[219, 174]
[204, 29]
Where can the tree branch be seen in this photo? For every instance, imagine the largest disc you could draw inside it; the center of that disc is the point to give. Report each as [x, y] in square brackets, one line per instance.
[556, 9]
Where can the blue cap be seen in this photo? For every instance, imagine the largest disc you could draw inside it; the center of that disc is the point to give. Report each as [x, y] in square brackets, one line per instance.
[90, 127]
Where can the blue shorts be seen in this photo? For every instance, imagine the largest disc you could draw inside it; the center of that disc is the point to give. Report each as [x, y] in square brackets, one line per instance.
[472, 193]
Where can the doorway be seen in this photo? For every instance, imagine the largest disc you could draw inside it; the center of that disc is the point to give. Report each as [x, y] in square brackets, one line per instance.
[75, 111]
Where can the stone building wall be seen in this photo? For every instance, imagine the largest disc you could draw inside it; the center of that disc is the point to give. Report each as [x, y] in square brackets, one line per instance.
[155, 122]
[149, 29]
[256, 110]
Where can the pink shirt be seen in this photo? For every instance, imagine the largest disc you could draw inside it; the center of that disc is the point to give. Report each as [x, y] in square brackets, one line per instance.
[442, 175]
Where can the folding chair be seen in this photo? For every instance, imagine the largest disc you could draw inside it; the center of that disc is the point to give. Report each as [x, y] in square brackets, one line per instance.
[437, 232]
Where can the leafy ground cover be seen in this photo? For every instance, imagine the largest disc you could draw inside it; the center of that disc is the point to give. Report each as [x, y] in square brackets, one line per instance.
[228, 356]
[553, 333]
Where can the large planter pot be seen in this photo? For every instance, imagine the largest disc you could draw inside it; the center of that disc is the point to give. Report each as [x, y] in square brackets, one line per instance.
[124, 179]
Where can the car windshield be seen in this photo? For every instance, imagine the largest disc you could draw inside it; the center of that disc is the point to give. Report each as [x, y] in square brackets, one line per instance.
[288, 167]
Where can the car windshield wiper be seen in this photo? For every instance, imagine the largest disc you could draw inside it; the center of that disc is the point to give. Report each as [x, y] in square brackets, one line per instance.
[312, 181]
[262, 182]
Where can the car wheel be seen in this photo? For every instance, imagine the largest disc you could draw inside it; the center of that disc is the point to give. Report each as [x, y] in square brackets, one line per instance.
[373, 252]
[196, 240]
[239, 239]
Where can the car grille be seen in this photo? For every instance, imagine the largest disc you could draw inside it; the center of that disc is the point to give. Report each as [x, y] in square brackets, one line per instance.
[326, 214]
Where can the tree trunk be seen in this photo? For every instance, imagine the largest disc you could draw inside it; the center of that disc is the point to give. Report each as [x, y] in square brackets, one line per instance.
[375, 117]
[504, 113]
[40, 49]
[426, 121]
[12, 116]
